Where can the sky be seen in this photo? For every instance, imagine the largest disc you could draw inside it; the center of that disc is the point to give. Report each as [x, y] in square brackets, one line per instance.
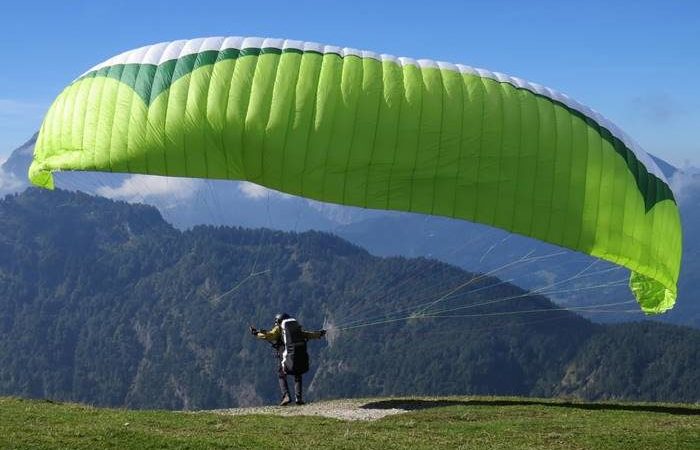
[635, 62]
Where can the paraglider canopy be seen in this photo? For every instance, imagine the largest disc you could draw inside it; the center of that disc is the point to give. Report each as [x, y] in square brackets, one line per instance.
[359, 128]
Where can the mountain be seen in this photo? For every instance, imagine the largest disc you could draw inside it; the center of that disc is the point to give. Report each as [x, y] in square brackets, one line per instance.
[477, 248]
[568, 278]
[13, 171]
[667, 169]
[20, 159]
[104, 302]
[480, 248]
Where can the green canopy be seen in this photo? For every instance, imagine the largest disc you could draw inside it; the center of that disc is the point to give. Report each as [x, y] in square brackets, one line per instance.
[358, 128]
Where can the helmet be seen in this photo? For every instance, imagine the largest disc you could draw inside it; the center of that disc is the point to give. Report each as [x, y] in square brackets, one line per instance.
[279, 317]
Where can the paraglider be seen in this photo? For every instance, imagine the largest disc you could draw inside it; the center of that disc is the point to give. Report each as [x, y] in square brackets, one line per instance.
[288, 340]
[359, 128]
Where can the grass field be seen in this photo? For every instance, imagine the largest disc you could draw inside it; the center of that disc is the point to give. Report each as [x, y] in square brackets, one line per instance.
[455, 422]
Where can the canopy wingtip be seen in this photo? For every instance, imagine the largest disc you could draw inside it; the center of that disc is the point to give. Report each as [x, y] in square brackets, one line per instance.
[654, 298]
[41, 177]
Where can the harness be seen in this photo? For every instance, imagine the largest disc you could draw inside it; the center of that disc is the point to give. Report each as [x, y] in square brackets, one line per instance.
[295, 359]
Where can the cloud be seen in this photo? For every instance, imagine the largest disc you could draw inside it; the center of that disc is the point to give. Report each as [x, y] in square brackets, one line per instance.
[256, 192]
[685, 182]
[658, 107]
[166, 191]
[253, 191]
[8, 182]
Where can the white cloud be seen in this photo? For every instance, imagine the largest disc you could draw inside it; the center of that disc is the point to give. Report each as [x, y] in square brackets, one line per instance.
[256, 192]
[685, 182]
[8, 182]
[150, 188]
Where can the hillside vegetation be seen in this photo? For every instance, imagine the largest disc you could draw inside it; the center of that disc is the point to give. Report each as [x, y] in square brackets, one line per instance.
[105, 303]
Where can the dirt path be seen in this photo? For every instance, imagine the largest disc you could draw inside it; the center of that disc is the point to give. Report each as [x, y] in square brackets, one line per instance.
[351, 409]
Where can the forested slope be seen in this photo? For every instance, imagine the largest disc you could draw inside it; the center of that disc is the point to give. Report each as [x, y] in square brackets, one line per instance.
[104, 302]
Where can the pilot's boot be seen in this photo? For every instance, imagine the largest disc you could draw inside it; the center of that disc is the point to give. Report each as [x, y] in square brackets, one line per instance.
[285, 391]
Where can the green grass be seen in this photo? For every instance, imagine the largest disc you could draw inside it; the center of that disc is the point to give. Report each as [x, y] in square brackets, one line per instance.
[507, 423]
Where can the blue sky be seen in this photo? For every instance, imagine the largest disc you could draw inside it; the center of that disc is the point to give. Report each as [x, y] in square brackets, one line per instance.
[635, 62]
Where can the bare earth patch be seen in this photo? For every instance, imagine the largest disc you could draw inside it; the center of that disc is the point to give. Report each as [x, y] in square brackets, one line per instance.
[350, 409]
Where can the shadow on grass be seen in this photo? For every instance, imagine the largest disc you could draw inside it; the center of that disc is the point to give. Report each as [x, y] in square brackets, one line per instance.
[416, 404]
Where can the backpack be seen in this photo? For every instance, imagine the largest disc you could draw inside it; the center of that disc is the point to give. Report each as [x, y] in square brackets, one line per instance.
[295, 359]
